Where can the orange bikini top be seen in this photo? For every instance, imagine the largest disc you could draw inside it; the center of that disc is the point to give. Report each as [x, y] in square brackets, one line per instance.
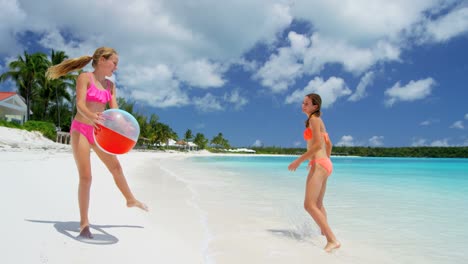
[309, 135]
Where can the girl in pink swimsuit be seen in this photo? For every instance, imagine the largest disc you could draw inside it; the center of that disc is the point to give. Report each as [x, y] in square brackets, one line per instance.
[93, 93]
[318, 153]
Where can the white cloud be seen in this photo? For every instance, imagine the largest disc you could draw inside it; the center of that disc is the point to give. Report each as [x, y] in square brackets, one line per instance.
[346, 141]
[466, 116]
[446, 27]
[376, 141]
[429, 122]
[357, 35]
[309, 56]
[11, 19]
[177, 34]
[157, 87]
[281, 70]
[257, 143]
[248, 66]
[212, 103]
[458, 125]
[8, 86]
[414, 90]
[208, 103]
[440, 143]
[198, 48]
[360, 92]
[297, 143]
[418, 142]
[362, 21]
[329, 90]
[236, 99]
[353, 58]
[425, 123]
[201, 73]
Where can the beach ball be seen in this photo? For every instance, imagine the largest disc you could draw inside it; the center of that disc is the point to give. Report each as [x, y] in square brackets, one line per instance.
[117, 133]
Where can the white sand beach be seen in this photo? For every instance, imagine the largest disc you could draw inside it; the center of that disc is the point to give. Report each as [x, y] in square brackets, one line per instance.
[40, 213]
[40, 209]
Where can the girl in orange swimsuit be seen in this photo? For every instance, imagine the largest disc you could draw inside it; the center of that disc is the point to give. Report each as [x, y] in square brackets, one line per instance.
[318, 153]
[93, 93]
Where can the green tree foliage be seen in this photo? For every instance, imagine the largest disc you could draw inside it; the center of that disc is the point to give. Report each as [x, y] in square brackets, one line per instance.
[430, 152]
[55, 96]
[200, 140]
[188, 135]
[420, 152]
[220, 142]
[47, 129]
[126, 106]
[53, 101]
[26, 71]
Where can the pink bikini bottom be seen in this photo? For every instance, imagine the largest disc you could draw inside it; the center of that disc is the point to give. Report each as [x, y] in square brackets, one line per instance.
[84, 129]
[324, 162]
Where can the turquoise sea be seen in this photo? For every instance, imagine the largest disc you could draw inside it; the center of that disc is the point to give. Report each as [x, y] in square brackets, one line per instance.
[384, 210]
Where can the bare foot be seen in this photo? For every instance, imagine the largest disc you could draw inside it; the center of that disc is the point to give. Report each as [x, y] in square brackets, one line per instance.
[136, 203]
[331, 246]
[86, 233]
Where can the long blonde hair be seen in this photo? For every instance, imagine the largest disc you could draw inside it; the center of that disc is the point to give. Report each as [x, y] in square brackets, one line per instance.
[67, 66]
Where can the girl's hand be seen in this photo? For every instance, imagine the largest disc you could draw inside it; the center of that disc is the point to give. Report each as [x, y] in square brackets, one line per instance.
[293, 166]
[96, 119]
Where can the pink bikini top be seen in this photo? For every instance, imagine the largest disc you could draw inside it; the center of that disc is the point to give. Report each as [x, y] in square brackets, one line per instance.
[97, 95]
[309, 135]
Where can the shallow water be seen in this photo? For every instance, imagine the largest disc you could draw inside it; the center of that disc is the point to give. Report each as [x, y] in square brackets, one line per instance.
[384, 210]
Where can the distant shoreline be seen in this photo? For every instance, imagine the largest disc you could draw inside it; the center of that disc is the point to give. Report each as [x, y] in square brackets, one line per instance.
[14, 138]
[394, 152]
[398, 152]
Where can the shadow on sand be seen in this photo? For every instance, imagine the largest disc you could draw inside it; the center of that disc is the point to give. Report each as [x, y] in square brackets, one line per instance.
[71, 229]
[289, 233]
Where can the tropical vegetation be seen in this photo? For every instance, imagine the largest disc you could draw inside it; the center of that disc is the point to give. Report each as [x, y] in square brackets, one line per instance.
[53, 101]
[420, 152]
[51, 106]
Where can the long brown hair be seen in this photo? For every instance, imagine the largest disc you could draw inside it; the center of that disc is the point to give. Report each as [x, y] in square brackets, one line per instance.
[316, 100]
[67, 66]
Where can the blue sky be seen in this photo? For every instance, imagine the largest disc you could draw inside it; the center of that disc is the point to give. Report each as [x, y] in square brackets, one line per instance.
[390, 73]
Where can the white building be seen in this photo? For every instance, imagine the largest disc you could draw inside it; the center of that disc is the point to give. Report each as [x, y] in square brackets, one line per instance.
[13, 107]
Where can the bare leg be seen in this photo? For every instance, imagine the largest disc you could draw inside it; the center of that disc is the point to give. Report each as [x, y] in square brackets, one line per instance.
[113, 165]
[320, 201]
[81, 153]
[315, 183]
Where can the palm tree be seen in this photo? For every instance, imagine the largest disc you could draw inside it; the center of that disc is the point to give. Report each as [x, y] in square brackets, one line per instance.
[55, 90]
[163, 133]
[62, 84]
[200, 140]
[188, 135]
[126, 106]
[220, 141]
[151, 128]
[25, 72]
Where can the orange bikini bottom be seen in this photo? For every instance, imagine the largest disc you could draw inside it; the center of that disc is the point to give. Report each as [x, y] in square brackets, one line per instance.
[324, 162]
